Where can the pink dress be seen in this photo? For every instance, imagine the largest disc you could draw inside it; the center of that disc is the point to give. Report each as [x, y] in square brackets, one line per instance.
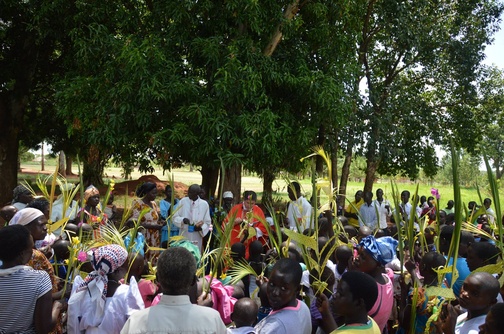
[383, 307]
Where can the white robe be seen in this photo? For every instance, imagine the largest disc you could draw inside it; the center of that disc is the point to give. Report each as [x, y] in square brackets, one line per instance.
[194, 211]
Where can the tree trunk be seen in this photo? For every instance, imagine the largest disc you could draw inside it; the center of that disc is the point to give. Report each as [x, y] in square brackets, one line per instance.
[289, 13]
[9, 145]
[69, 162]
[94, 164]
[268, 178]
[232, 181]
[371, 168]
[11, 116]
[42, 158]
[61, 164]
[209, 177]
[345, 172]
[372, 161]
[334, 164]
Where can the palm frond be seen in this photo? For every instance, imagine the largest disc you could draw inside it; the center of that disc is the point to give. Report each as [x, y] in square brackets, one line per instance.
[239, 270]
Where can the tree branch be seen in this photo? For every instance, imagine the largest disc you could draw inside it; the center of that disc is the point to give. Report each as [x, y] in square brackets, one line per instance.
[289, 13]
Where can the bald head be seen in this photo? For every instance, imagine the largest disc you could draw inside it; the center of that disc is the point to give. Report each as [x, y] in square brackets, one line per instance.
[244, 312]
[6, 214]
[193, 192]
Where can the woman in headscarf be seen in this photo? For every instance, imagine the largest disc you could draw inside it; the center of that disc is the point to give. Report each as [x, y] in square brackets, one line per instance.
[35, 222]
[150, 220]
[93, 214]
[21, 196]
[27, 304]
[373, 255]
[100, 303]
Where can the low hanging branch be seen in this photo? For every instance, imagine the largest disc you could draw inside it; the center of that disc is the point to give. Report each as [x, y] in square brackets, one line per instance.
[289, 13]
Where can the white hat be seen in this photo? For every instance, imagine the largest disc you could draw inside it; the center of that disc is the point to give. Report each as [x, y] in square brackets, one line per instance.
[227, 194]
[25, 216]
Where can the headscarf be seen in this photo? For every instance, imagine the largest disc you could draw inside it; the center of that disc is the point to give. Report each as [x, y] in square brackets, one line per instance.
[25, 216]
[18, 191]
[383, 249]
[145, 188]
[86, 305]
[90, 192]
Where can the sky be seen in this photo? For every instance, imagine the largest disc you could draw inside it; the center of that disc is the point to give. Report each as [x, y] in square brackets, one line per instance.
[495, 51]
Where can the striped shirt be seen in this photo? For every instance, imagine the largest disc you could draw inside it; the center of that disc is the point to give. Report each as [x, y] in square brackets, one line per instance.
[20, 287]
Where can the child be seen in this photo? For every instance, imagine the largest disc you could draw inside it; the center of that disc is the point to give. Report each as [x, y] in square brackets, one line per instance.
[289, 315]
[494, 321]
[425, 303]
[355, 295]
[466, 238]
[477, 295]
[343, 255]
[244, 317]
[373, 255]
[61, 253]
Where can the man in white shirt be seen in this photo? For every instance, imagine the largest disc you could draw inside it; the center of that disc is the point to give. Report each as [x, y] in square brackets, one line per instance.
[176, 273]
[367, 212]
[300, 210]
[57, 207]
[193, 216]
[383, 208]
[406, 207]
[487, 202]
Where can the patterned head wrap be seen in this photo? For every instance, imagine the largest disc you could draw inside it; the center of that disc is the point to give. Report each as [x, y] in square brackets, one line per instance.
[383, 250]
[25, 216]
[105, 260]
[87, 302]
[90, 192]
[18, 191]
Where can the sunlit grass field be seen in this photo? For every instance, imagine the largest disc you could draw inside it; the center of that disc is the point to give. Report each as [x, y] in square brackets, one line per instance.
[253, 182]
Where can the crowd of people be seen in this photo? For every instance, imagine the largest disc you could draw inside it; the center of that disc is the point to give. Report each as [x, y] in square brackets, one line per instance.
[327, 270]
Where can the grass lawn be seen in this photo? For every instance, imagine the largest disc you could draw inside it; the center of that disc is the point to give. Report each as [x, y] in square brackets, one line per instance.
[255, 183]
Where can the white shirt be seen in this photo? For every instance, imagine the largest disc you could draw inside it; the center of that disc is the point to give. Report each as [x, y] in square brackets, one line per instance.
[299, 211]
[175, 314]
[195, 211]
[471, 326]
[19, 206]
[491, 215]
[406, 208]
[57, 210]
[368, 216]
[383, 213]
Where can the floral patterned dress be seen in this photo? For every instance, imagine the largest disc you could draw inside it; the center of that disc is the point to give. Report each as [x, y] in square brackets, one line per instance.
[39, 261]
[152, 237]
